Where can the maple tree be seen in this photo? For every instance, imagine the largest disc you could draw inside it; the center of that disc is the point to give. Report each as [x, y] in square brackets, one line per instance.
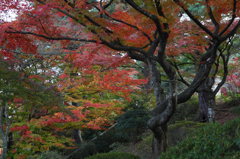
[100, 97]
[207, 93]
[185, 64]
[18, 101]
[92, 88]
[141, 29]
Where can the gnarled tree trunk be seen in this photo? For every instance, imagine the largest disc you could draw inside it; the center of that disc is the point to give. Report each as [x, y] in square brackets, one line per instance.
[206, 98]
[166, 108]
[159, 143]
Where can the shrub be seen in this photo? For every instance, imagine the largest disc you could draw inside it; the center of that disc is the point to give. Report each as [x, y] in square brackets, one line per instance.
[186, 111]
[131, 125]
[141, 148]
[84, 150]
[129, 128]
[213, 141]
[114, 155]
[48, 155]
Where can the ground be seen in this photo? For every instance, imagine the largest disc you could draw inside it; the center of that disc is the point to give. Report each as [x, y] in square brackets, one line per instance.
[227, 111]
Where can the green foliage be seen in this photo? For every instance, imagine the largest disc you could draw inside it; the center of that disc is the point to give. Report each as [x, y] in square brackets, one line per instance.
[113, 155]
[235, 155]
[235, 110]
[129, 127]
[103, 143]
[230, 97]
[186, 123]
[34, 138]
[187, 110]
[180, 130]
[212, 141]
[85, 150]
[141, 148]
[132, 124]
[197, 8]
[48, 155]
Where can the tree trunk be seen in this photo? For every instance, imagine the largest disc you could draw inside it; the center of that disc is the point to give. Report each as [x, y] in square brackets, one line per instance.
[206, 103]
[77, 135]
[206, 98]
[10, 140]
[159, 143]
[4, 132]
[5, 149]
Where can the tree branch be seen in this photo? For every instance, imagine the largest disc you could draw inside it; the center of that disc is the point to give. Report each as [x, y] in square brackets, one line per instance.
[225, 60]
[210, 13]
[180, 75]
[193, 18]
[51, 38]
[151, 16]
[232, 19]
[232, 32]
[130, 25]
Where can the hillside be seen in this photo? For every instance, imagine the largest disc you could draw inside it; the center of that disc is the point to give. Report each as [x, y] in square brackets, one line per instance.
[225, 112]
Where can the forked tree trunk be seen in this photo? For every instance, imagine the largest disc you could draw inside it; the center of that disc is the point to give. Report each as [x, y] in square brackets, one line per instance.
[159, 143]
[162, 110]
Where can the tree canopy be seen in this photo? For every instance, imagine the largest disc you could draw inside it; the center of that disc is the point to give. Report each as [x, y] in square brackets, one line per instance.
[94, 45]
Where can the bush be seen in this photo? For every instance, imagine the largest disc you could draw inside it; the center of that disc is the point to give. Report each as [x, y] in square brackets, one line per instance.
[131, 125]
[180, 130]
[114, 155]
[85, 150]
[186, 111]
[48, 155]
[142, 148]
[129, 128]
[213, 141]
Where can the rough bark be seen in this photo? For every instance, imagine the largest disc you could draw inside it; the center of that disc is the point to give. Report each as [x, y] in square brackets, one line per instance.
[166, 108]
[159, 143]
[206, 99]
[206, 93]
[4, 129]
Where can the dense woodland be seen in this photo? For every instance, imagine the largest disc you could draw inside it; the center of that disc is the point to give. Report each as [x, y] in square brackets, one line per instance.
[120, 79]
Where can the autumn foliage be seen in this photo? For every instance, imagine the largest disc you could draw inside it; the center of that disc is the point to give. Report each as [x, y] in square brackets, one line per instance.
[90, 47]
